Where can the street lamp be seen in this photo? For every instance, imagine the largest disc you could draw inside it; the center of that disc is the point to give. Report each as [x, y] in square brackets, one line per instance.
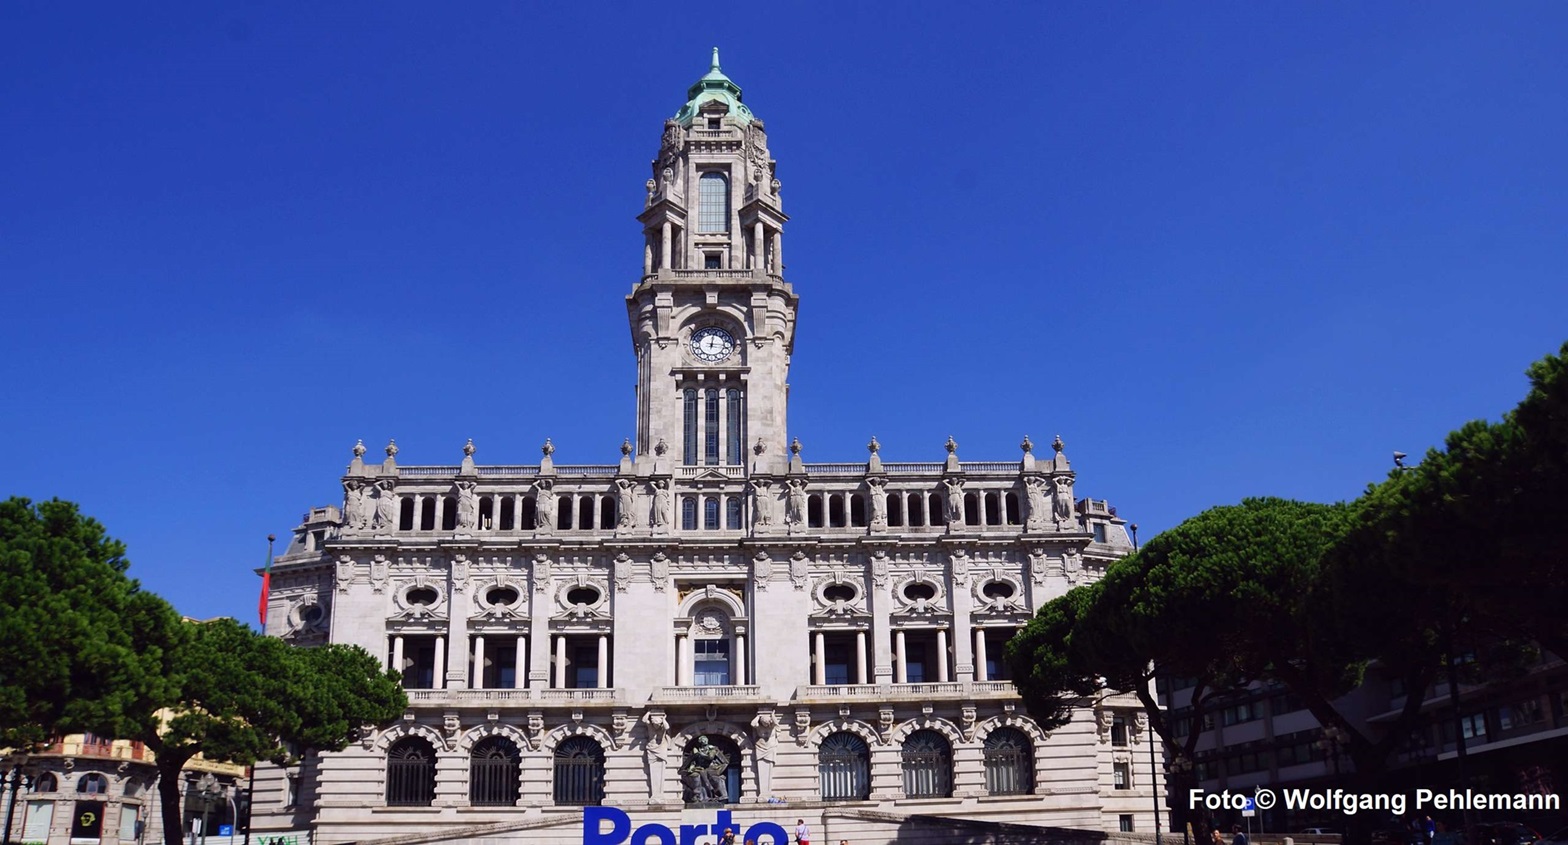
[209, 789]
[17, 779]
[1334, 738]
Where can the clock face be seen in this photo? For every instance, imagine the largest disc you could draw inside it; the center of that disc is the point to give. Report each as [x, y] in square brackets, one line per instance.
[712, 344]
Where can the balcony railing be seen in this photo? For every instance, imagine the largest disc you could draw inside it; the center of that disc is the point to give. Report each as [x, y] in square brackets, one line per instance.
[580, 696]
[705, 693]
[470, 696]
[946, 690]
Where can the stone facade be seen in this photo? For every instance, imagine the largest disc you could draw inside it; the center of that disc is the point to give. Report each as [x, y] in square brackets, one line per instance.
[829, 635]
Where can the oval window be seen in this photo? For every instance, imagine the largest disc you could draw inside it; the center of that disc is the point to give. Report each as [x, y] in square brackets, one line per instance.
[311, 614]
[919, 591]
[422, 596]
[998, 590]
[501, 596]
[839, 592]
[582, 595]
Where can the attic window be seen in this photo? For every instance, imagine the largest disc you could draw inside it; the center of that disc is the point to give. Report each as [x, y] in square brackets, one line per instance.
[715, 123]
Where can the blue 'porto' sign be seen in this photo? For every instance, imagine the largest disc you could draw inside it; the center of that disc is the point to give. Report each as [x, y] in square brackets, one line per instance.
[619, 830]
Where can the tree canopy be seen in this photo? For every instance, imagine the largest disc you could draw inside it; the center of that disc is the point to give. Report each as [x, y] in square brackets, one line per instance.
[86, 649]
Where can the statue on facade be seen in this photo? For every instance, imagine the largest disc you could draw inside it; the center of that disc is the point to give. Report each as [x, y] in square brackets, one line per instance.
[762, 500]
[467, 506]
[386, 506]
[544, 505]
[661, 503]
[626, 503]
[356, 505]
[656, 751]
[764, 749]
[704, 773]
[796, 499]
[878, 495]
[954, 501]
[1034, 495]
[1062, 501]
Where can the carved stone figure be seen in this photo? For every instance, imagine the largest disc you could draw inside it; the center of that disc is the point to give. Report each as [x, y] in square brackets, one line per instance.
[1062, 501]
[799, 566]
[623, 572]
[661, 503]
[356, 505]
[1034, 495]
[954, 502]
[467, 506]
[544, 505]
[541, 572]
[878, 497]
[762, 500]
[655, 751]
[796, 498]
[386, 506]
[762, 569]
[626, 503]
[659, 570]
[764, 749]
[704, 774]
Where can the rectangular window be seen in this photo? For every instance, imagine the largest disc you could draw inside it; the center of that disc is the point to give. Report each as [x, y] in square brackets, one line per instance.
[689, 406]
[713, 203]
[291, 792]
[915, 663]
[1121, 774]
[733, 436]
[1099, 532]
[710, 261]
[585, 666]
[836, 664]
[712, 658]
[711, 429]
[1125, 822]
[1119, 730]
[1474, 725]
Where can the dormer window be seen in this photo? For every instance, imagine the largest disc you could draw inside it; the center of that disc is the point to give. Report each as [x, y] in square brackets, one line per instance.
[715, 123]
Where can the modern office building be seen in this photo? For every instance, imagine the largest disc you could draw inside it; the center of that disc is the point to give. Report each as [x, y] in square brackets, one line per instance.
[710, 622]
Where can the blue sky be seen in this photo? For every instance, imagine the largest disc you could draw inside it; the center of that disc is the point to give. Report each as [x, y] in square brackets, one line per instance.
[1222, 249]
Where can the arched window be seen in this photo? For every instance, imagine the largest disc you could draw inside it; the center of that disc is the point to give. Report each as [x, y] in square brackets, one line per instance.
[46, 783]
[1009, 762]
[689, 513]
[710, 428]
[727, 747]
[508, 520]
[732, 516]
[448, 513]
[530, 514]
[928, 765]
[895, 511]
[493, 773]
[689, 417]
[411, 773]
[734, 436]
[713, 203]
[844, 767]
[92, 783]
[405, 514]
[427, 514]
[579, 772]
[710, 513]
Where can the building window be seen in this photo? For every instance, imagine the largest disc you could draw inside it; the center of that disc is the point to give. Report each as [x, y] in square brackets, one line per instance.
[493, 773]
[711, 261]
[411, 773]
[710, 513]
[733, 436]
[712, 659]
[1473, 725]
[844, 767]
[1119, 730]
[1009, 762]
[689, 415]
[579, 772]
[93, 784]
[1121, 774]
[689, 513]
[713, 203]
[46, 782]
[291, 791]
[585, 665]
[928, 765]
[1124, 821]
[1099, 535]
[711, 428]
[732, 516]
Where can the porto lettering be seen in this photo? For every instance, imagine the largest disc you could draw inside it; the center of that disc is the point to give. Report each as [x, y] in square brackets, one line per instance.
[612, 826]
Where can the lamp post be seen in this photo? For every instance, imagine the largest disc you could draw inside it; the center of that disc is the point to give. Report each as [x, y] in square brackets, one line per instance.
[210, 790]
[1179, 768]
[17, 780]
[1154, 777]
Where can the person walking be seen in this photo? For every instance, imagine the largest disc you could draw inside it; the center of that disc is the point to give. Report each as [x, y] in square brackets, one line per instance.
[802, 832]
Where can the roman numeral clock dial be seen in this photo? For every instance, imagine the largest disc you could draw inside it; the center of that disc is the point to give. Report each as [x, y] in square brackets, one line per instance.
[712, 344]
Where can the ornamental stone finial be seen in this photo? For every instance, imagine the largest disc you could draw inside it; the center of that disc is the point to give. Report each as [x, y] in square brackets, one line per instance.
[794, 446]
[468, 448]
[391, 448]
[359, 448]
[952, 445]
[626, 446]
[548, 448]
[1057, 444]
[1027, 445]
[874, 446]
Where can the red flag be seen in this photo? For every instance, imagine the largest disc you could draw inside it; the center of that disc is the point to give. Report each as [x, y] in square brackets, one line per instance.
[266, 587]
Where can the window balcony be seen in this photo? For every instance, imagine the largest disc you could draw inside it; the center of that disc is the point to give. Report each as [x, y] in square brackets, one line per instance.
[716, 692]
[949, 691]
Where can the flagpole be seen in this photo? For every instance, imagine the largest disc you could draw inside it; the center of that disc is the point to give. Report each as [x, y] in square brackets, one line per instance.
[266, 583]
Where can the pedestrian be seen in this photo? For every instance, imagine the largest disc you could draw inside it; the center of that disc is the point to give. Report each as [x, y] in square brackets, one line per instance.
[1241, 838]
[1215, 838]
[728, 838]
[802, 832]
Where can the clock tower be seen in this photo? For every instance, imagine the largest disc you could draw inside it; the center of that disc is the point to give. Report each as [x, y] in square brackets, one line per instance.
[712, 319]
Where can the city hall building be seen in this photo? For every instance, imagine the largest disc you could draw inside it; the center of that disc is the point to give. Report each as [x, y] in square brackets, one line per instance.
[709, 624]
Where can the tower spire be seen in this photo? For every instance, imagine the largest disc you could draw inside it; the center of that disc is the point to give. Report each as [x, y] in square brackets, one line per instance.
[715, 65]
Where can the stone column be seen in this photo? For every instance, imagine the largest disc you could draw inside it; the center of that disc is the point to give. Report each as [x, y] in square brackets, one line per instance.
[520, 663]
[902, 666]
[560, 661]
[819, 652]
[860, 658]
[477, 680]
[941, 655]
[740, 661]
[680, 660]
[397, 654]
[603, 672]
[980, 657]
[439, 682]
[758, 246]
[664, 245]
[881, 606]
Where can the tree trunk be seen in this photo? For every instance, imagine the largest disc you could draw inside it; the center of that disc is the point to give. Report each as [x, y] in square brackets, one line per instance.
[169, 789]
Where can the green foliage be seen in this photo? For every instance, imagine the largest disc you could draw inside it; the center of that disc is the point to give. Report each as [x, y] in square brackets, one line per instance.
[85, 648]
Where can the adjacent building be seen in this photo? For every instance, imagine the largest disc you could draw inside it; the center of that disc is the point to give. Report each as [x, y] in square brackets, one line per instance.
[710, 621]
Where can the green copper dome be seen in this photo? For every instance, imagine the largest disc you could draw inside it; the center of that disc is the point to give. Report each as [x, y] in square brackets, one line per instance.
[713, 85]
